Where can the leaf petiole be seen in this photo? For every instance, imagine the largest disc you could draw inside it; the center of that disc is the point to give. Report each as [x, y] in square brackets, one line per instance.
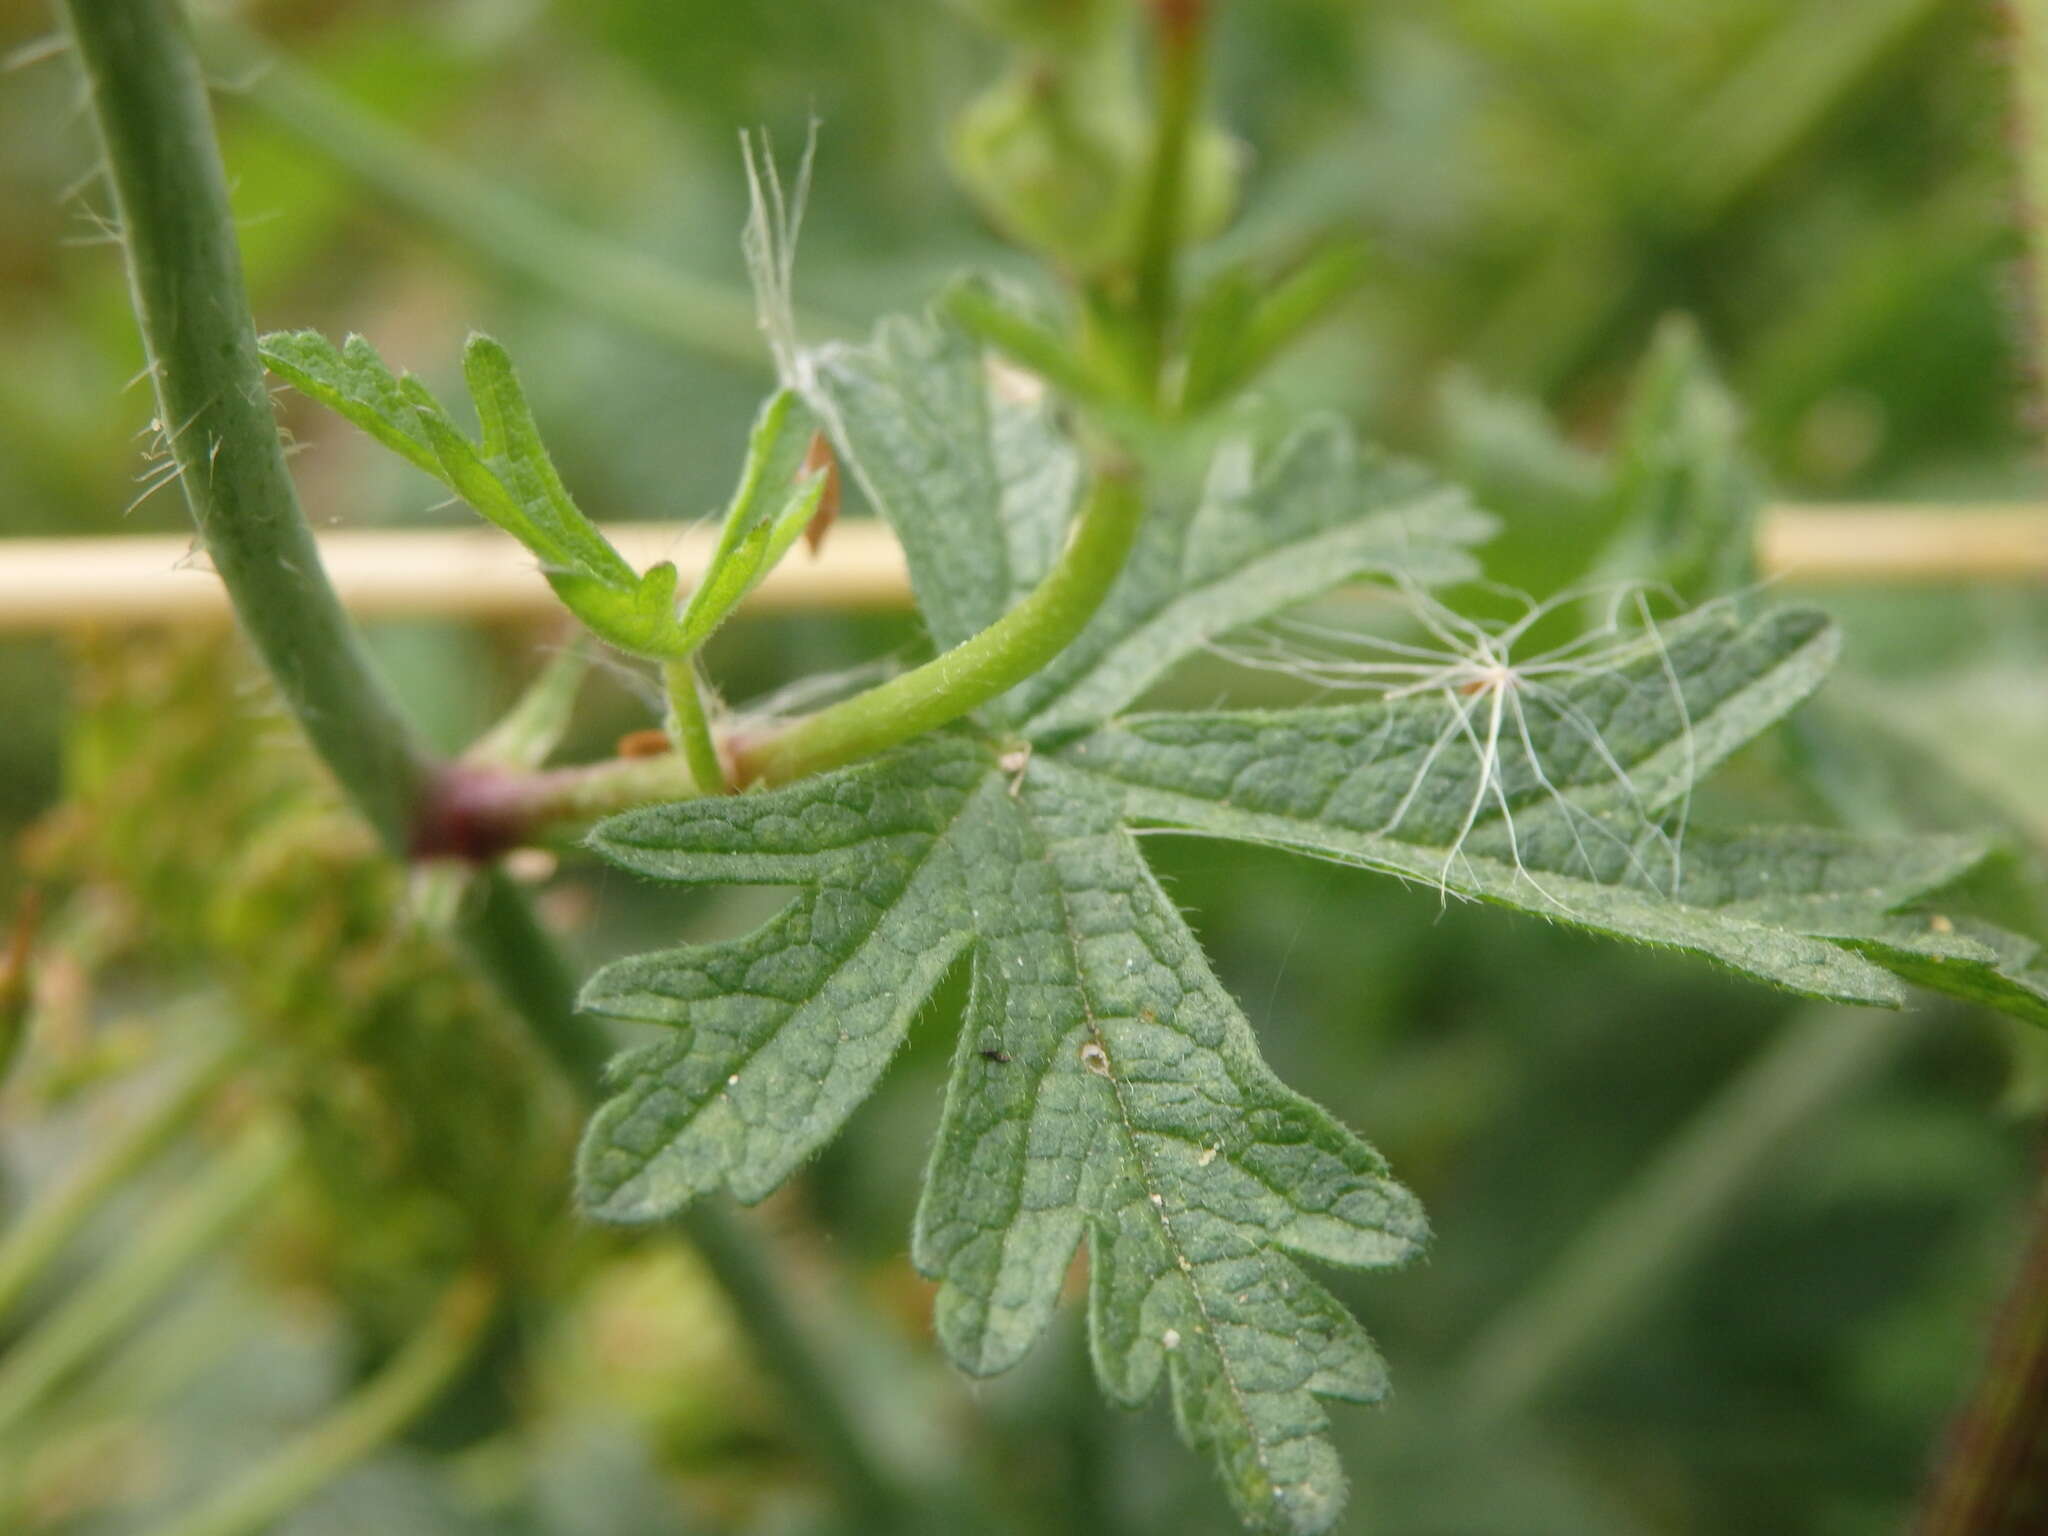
[689, 726]
[975, 671]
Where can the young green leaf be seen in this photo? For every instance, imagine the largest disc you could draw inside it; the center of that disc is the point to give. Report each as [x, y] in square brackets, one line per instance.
[512, 451]
[770, 510]
[508, 477]
[1105, 1087]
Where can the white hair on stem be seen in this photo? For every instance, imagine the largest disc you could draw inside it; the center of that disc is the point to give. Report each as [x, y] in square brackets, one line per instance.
[1487, 695]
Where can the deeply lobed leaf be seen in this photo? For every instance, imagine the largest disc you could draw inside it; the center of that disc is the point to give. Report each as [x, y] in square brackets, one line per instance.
[1105, 1087]
[1105, 1090]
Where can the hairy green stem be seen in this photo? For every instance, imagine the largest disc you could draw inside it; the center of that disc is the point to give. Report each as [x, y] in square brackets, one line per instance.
[1179, 26]
[690, 726]
[1673, 1206]
[65, 1341]
[40, 1235]
[497, 808]
[150, 101]
[1017, 645]
[397, 1395]
[170, 202]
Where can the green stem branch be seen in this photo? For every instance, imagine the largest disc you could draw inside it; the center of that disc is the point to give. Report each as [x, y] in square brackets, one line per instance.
[1179, 25]
[170, 201]
[1010, 650]
[690, 727]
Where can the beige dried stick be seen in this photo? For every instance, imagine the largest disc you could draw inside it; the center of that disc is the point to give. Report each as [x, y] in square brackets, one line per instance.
[478, 573]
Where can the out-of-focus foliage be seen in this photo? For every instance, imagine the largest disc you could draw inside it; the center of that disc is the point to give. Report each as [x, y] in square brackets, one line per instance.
[1820, 185]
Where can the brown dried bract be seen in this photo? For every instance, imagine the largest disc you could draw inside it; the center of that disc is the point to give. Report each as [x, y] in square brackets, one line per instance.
[820, 456]
[648, 743]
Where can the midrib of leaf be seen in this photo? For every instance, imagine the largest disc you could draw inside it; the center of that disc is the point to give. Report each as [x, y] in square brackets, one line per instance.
[1153, 1187]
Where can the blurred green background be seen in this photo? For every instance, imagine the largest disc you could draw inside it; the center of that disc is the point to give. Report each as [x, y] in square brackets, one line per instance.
[1823, 184]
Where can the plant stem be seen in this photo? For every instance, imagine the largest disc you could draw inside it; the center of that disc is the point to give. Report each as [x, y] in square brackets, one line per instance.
[42, 1234]
[398, 1394]
[170, 197]
[530, 972]
[1179, 25]
[66, 1340]
[151, 103]
[1993, 1479]
[975, 671]
[185, 271]
[689, 726]
[1673, 1206]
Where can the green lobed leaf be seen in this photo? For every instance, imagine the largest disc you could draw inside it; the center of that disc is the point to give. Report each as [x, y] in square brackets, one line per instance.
[508, 477]
[1105, 1090]
[1105, 1087]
